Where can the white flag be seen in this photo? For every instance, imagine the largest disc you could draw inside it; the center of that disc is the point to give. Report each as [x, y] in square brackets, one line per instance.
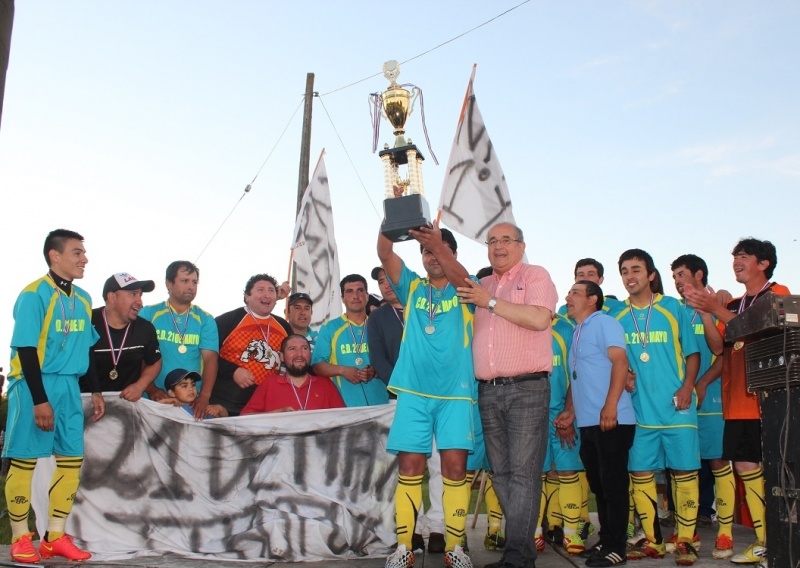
[314, 248]
[474, 194]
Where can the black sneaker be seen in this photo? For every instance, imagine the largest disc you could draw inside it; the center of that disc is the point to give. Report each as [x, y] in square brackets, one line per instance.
[603, 559]
[435, 543]
[589, 552]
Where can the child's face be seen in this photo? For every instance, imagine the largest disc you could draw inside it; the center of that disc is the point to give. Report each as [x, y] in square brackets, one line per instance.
[185, 391]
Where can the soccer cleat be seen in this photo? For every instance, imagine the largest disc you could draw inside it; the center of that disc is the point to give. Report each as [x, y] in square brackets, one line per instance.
[465, 544]
[705, 521]
[539, 541]
[63, 546]
[400, 558]
[574, 544]
[496, 541]
[685, 554]
[631, 530]
[596, 550]
[457, 558]
[637, 537]
[672, 541]
[585, 529]
[555, 536]
[645, 548]
[753, 554]
[22, 550]
[723, 548]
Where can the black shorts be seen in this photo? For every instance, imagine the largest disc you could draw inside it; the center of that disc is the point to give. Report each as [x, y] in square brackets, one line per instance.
[741, 441]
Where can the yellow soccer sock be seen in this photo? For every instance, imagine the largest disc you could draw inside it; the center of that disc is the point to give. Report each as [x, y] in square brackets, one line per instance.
[725, 489]
[553, 511]
[407, 502]
[493, 510]
[542, 504]
[455, 502]
[754, 493]
[687, 496]
[63, 488]
[644, 496]
[18, 495]
[569, 498]
[585, 491]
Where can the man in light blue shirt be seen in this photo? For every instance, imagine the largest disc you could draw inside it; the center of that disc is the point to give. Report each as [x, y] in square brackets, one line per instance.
[600, 404]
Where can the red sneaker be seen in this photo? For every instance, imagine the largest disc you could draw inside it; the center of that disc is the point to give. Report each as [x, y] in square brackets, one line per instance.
[63, 547]
[23, 551]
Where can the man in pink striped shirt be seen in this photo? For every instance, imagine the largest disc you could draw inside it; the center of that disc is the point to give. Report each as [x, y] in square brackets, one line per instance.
[513, 356]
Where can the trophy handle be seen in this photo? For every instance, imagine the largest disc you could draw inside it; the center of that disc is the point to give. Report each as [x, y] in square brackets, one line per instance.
[415, 91]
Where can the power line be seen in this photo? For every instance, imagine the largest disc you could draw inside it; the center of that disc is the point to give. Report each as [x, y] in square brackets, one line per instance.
[250, 185]
[459, 36]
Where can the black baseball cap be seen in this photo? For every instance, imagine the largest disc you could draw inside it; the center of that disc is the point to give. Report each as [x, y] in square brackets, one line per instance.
[125, 281]
[177, 375]
[298, 296]
[376, 272]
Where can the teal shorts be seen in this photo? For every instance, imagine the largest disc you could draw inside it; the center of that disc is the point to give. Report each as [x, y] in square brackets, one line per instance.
[561, 459]
[710, 428]
[656, 448]
[478, 459]
[25, 440]
[417, 419]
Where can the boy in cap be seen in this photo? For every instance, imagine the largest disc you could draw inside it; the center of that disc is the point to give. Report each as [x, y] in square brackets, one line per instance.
[181, 387]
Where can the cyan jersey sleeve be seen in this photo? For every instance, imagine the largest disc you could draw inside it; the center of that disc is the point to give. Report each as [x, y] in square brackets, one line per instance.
[209, 334]
[322, 348]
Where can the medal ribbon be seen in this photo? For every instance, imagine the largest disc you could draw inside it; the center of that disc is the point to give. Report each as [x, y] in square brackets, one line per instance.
[115, 358]
[261, 329]
[297, 396]
[360, 344]
[646, 325]
[743, 305]
[576, 338]
[175, 322]
[65, 322]
[433, 309]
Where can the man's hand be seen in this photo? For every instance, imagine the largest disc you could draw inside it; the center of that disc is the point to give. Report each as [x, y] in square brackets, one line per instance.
[244, 378]
[353, 375]
[701, 300]
[366, 374]
[608, 417]
[132, 392]
[474, 293]
[700, 389]
[429, 237]
[99, 406]
[284, 409]
[200, 405]
[565, 429]
[684, 398]
[630, 384]
[283, 290]
[43, 416]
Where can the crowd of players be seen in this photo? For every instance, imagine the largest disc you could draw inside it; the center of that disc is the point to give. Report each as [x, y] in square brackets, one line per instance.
[603, 394]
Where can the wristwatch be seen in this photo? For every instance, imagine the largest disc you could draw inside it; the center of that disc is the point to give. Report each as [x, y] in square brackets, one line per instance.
[492, 304]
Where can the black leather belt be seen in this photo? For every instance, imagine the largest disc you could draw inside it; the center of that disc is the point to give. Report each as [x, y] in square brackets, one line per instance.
[516, 379]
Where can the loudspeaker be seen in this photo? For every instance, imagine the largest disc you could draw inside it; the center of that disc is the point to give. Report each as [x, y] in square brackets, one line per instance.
[780, 432]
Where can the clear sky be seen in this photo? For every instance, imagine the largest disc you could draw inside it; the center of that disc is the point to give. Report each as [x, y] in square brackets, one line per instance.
[668, 126]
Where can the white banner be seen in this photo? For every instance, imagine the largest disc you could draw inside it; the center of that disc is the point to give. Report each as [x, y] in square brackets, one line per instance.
[474, 194]
[314, 249]
[292, 487]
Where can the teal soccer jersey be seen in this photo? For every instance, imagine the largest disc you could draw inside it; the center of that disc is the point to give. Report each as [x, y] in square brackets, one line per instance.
[712, 404]
[562, 330]
[195, 329]
[436, 352]
[656, 353]
[342, 342]
[59, 326]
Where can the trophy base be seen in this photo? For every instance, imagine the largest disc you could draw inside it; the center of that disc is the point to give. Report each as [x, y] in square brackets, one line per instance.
[403, 213]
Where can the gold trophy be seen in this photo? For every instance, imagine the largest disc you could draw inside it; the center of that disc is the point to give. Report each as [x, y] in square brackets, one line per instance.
[404, 206]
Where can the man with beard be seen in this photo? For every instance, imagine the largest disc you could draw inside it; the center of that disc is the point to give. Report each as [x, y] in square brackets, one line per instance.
[297, 389]
[186, 333]
[249, 340]
[127, 356]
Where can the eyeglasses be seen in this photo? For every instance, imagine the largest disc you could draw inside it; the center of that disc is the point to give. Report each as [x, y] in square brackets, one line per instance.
[505, 241]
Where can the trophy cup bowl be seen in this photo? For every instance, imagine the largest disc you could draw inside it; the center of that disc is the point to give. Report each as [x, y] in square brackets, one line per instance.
[408, 210]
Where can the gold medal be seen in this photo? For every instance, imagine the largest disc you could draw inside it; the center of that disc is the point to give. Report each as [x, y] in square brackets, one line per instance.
[738, 345]
[113, 374]
[359, 360]
[182, 349]
[644, 357]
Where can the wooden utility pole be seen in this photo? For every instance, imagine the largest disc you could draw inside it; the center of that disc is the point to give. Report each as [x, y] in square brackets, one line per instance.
[305, 142]
[6, 23]
[305, 159]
